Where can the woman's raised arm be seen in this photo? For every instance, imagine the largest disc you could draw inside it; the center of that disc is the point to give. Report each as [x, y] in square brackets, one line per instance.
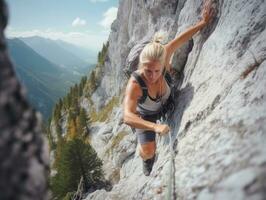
[171, 47]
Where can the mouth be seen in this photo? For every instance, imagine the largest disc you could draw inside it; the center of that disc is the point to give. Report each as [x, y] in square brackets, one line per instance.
[152, 80]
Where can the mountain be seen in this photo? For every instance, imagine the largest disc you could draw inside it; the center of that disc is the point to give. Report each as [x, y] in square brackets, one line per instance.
[44, 80]
[87, 55]
[63, 54]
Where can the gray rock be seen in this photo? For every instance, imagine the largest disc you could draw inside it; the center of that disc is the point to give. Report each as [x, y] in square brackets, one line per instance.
[24, 159]
[84, 103]
[105, 129]
[99, 195]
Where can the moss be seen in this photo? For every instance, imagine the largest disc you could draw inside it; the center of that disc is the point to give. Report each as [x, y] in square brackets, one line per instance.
[115, 142]
[105, 112]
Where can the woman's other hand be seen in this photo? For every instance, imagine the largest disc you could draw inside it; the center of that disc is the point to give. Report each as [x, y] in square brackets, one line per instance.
[207, 12]
[161, 128]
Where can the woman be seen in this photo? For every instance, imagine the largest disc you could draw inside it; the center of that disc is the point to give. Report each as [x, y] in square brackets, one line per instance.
[141, 114]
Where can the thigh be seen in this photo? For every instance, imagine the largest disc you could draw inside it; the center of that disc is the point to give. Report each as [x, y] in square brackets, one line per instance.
[145, 136]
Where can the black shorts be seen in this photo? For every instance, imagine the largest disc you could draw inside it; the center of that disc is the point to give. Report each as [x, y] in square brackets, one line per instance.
[145, 136]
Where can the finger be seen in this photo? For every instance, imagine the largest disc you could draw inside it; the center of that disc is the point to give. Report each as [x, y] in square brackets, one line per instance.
[206, 4]
[209, 4]
[166, 130]
[206, 8]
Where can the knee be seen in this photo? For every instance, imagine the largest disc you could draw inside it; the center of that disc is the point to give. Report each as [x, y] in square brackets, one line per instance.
[148, 152]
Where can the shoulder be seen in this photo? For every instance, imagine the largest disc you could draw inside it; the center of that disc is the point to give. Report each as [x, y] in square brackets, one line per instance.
[133, 88]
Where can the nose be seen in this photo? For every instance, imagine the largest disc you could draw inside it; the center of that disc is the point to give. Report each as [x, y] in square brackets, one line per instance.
[152, 75]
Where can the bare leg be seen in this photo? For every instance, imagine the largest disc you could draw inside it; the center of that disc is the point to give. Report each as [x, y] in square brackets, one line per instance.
[147, 150]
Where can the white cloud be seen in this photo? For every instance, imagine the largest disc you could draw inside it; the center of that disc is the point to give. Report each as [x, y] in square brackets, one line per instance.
[79, 22]
[95, 1]
[109, 17]
[90, 40]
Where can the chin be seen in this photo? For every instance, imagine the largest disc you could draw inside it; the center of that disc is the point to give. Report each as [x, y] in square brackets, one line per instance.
[151, 80]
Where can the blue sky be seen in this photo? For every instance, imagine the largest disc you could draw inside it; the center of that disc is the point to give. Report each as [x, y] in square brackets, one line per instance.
[82, 22]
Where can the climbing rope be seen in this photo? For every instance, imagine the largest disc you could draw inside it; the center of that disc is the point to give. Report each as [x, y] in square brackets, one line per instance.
[171, 194]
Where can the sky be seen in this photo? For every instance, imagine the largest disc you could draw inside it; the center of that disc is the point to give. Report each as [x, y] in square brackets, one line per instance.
[82, 22]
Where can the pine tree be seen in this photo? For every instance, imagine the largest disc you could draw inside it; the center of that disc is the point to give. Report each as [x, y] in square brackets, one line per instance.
[80, 89]
[99, 57]
[60, 104]
[79, 127]
[68, 100]
[72, 130]
[83, 118]
[92, 82]
[83, 81]
[56, 113]
[81, 123]
[77, 160]
[59, 148]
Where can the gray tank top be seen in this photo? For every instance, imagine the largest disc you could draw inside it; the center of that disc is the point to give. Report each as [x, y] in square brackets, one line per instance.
[151, 106]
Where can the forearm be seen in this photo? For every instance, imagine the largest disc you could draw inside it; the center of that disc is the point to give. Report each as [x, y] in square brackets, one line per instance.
[191, 31]
[135, 121]
[184, 37]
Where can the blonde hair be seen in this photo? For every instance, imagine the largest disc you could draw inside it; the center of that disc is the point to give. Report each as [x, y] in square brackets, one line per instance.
[153, 50]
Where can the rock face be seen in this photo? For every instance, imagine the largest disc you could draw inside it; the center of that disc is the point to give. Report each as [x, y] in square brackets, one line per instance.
[23, 151]
[220, 117]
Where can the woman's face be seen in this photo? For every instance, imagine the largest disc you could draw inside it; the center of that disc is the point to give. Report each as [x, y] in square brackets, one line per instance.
[152, 71]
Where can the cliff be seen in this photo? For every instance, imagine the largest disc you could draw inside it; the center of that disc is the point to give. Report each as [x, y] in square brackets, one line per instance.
[218, 127]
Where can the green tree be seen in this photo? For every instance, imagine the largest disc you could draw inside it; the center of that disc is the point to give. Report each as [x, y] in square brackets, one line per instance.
[57, 112]
[71, 130]
[83, 118]
[77, 160]
[81, 123]
[60, 104]
[68, 100]
[83, 81]
[82, 85]
[92, 82]
[79, 127]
